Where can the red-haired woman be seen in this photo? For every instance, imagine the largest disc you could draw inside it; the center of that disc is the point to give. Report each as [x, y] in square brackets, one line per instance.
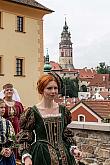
[13, 109]
[48, 122]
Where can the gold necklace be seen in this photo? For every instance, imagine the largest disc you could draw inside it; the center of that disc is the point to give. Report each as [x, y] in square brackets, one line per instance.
[9, 103]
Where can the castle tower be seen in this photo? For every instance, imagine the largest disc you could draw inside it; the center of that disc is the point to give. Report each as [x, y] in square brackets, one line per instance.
[65, 49]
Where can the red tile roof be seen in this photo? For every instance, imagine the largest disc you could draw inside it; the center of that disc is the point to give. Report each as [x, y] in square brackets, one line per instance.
[101, 108]
[101, 80]
[104, 94]
[55, 66]
[85, 73]
[70, 102]
[70, 70]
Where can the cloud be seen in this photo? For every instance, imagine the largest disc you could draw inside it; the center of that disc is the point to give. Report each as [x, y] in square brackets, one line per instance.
[94, 53]
[89, 25]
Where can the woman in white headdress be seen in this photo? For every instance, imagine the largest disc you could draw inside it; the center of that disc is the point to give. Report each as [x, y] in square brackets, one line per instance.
[15, 96]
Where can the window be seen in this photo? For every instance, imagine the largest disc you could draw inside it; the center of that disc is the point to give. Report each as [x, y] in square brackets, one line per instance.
[100, 89]
[20, 24]
[71, 53]
[1, 19]
[19, 66]
[95, 89]
[62, 54]
[81, 118]
[0, 65]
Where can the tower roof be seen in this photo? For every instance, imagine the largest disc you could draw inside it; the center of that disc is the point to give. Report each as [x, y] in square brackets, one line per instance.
[47, 65]
[65, 27]
[65, 35]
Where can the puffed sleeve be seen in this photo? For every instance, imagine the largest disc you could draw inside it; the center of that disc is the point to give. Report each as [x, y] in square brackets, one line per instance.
[68, 135]
[10, 134]
[21, 107]
[26, 136]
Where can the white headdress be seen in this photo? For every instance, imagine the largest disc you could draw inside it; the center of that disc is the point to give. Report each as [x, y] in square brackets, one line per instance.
[15, 96]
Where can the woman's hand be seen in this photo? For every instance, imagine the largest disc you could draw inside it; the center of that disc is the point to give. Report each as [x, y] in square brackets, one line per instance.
[28, 161]
[6, 152]
[76, 153]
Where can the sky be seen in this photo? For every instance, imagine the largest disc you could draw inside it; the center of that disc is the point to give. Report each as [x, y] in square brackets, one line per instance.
[89, 25]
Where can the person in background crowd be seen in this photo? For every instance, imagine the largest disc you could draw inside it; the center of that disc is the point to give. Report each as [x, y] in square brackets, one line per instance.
[15, 96]
[13, 109]
[53, 143]
[7, 156]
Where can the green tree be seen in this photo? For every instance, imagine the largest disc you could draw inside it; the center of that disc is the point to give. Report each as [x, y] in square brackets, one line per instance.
[70, 87]
[103, 69]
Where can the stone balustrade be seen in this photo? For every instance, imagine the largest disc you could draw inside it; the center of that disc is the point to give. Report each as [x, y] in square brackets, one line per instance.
[94, 141]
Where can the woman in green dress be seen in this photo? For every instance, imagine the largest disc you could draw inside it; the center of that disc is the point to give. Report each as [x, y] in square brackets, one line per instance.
[44, 137]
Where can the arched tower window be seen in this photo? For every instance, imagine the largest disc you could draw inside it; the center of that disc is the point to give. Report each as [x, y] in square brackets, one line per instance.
[62, 54]
[83, 88]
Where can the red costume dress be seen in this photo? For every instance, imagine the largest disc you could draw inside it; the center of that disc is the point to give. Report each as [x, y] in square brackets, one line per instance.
[13, 113]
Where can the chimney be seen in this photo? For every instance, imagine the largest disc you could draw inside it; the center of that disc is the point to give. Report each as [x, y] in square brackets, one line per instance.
[103, 78]
[92, 70]
[85, 69]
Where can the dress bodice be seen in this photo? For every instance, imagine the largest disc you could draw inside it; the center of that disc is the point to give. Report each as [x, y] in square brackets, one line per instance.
[53, 126]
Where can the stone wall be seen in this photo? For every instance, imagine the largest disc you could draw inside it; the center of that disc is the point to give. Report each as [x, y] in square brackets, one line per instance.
[94, 141]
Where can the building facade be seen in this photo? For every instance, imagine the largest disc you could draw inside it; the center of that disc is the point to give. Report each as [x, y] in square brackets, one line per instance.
[21, 46]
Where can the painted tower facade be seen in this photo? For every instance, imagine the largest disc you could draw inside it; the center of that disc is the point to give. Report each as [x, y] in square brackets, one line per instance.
[65, 49]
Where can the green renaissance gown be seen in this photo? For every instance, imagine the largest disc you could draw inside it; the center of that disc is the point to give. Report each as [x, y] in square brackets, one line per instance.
[48, 139]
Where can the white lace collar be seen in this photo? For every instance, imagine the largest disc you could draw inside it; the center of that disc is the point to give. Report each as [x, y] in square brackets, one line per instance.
[51, 115]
